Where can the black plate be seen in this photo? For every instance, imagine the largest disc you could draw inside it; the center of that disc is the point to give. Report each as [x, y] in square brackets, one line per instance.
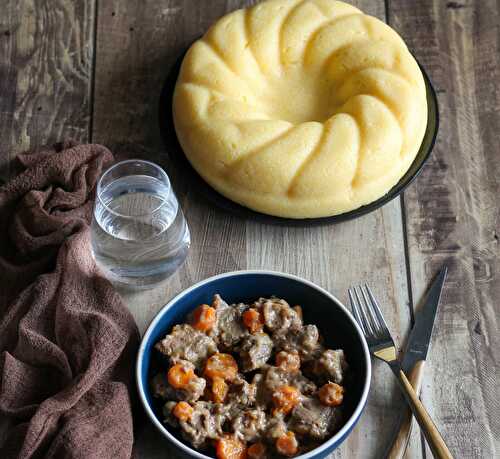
[188, 173]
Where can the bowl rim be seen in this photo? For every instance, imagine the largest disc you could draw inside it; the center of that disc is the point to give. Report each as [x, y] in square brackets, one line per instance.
[339, 436]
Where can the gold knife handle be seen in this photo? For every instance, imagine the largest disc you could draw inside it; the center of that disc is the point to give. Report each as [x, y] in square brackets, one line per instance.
[427, 426]
[402, 438]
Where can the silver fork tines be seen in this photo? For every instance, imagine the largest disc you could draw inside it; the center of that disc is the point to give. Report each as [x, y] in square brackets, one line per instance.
[367, 313]
[378, 312]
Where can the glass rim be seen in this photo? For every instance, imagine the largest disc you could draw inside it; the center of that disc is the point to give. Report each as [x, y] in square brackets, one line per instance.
[120, 163]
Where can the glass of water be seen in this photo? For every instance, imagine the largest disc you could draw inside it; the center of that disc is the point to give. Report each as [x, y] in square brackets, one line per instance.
[139, 234]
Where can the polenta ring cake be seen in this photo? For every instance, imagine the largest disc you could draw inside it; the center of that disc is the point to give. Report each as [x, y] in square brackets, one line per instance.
[300, 108]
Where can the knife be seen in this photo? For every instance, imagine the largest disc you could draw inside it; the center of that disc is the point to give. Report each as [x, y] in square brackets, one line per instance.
[414, 358]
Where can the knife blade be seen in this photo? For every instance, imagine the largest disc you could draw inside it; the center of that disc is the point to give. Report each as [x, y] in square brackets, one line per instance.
[420, 336]
[414, 358]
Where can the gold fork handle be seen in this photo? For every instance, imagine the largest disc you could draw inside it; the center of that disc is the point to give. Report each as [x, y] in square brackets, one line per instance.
[431, 433]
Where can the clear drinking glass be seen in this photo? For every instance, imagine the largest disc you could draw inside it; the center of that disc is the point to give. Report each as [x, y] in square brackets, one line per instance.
[139, 234]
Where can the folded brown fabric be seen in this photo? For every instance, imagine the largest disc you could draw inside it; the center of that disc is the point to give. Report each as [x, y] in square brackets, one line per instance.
[67, 341]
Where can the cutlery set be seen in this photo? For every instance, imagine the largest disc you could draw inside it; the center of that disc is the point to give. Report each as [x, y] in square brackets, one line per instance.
[367, 313]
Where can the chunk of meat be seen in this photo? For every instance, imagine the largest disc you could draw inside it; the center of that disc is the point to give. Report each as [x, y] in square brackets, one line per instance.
[229, 328]
[272, 378]
[218, 302]
[262, 392]
[195, 389]
[331, 366]
[279, 317]
[298, 310]
[186, 343]
[287, 445]
[204, 424]
[276, 427]
[304, 340]
[229, 447]
[312, 418]
[242, 392]
[249, 425]
[255, 351]
[191, 392]
[168, 409]
[276, 377]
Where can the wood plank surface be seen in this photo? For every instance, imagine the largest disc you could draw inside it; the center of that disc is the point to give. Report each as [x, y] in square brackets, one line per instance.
[46, 53]
[453, 216]
[136, 45]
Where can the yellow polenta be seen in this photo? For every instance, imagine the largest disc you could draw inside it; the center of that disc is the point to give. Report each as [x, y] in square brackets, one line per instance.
[300, 108]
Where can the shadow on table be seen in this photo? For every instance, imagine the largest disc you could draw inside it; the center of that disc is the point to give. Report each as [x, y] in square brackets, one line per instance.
[151, 444]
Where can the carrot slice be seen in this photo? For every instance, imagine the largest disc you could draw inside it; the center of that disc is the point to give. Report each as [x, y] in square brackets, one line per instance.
[230, 447]
[179, 376]
[219, 390]
[285, 398]
[221, 366]
[253, 320]
[183, 411]
[287, 444]
[331, 394]
[204, 318]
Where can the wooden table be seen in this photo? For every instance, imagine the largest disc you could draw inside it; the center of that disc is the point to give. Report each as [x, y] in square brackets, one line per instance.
[92, 70]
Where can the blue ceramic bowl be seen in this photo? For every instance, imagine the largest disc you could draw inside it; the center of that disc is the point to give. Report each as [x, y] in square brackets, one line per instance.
[335, 324]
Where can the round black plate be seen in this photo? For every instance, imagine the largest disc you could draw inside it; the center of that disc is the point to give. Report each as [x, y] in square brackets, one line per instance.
[195, 181]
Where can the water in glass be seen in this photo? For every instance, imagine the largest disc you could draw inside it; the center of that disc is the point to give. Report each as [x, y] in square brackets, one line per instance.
[139, 234]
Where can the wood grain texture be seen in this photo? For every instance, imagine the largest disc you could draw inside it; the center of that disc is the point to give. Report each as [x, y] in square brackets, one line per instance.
[46, 51]
[453, 217]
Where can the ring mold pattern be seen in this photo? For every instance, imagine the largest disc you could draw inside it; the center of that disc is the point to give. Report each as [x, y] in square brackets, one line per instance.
[300, 108]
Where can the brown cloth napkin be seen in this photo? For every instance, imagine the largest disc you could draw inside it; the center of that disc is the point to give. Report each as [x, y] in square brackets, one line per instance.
[67, 341]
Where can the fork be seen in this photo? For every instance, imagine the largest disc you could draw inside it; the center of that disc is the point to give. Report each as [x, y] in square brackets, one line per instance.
[369, 317]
